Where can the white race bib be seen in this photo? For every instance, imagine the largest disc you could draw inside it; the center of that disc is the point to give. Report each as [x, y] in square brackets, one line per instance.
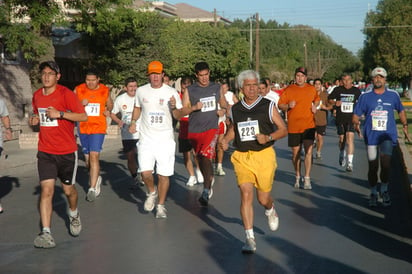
[157, 119]
[46, 121]
[379, 120]
[93, 109]
[346, 107]
[248, 130]
[209, 103]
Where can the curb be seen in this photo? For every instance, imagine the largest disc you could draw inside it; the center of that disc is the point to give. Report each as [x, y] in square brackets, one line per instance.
[407, 166]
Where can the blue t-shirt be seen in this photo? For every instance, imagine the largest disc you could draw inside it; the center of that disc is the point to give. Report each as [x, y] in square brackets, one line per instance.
[380, 124]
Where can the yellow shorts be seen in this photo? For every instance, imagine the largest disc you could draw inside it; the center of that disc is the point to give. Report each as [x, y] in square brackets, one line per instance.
[256, 167]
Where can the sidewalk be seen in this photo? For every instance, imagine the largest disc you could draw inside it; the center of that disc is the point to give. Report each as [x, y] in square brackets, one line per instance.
[15, 157]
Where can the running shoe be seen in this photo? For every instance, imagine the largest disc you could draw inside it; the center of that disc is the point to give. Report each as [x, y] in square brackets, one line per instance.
[349, 167]
[204, 199]
[139, 180]
[161, 212]
[98, 185]
[75, 225]
[150, 202]
[373, 200]
[199, 176]
[307, 185]
[297, 183]
[91, 195]
[342, 158]
[192, 181]
[386, 199]
[211, 188]
[318, 156]
[250, 246]
[273, 219]
[220, 172]
[1, 209]
[44, 240]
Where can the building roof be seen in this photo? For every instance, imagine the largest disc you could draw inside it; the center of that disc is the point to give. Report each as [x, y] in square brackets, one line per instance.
[190, 13]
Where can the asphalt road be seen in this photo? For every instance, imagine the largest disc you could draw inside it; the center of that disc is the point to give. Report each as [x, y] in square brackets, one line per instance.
[329, 229]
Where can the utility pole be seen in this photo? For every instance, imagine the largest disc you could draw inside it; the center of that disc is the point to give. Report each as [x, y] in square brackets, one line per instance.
[250, 42]
[215, 17]
[257, 43]
[306, 55]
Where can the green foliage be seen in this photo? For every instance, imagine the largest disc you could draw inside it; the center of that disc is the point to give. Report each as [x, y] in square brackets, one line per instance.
[388, 32]
[282, 49]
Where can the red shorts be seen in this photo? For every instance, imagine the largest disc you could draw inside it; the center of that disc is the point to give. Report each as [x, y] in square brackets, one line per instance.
[222, 127]
[204, 143]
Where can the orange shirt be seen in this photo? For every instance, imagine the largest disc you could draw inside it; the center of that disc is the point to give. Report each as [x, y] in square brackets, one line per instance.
[301, 116]
[96, 123]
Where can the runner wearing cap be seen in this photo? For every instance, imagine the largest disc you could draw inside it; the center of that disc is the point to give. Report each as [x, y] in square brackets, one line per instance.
[380, 132]
[155, 105]
[300, 100]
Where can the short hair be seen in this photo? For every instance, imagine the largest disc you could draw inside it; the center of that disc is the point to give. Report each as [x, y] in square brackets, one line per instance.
[201, 66]
[345, 74]
[263, 82]
[186, 79]
[92, 72]
[318, 79]
[247, 75]
[51, 65]
[129, 80]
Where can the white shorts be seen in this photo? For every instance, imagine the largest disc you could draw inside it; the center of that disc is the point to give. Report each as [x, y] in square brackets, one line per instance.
[157, 155]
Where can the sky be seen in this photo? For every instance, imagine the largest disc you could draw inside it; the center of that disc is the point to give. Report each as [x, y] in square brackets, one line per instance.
[341, 20]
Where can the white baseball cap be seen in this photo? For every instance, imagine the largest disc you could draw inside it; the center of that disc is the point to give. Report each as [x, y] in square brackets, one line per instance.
[379, 71]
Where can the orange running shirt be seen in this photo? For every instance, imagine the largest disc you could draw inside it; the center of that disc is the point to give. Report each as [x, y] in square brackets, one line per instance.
[96, 123]
[301, 116]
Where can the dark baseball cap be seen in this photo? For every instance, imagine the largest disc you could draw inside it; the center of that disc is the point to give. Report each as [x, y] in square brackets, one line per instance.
[51, 64]
[301, 70]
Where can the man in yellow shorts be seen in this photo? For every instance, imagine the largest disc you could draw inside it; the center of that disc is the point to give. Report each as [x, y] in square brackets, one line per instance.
[256, 125]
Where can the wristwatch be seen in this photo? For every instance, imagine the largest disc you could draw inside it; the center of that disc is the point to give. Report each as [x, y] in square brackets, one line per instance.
[61, 114]
[270, 138]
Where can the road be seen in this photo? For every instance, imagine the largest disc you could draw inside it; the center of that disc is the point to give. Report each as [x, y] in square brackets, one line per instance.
[329, 229]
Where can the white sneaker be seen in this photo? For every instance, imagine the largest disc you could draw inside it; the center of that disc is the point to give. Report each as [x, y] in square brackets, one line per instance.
[250, 246]
[297, 183]
[150, 202]
[91, 195]
[139, 180]
[199, 176]
[98, 185]
[161, 212]
[211, 188]
[192, 181]
[273, 219]
[307, 185]
[220, 172]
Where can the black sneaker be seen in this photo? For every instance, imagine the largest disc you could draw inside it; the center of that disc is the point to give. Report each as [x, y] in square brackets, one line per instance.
[204, 199]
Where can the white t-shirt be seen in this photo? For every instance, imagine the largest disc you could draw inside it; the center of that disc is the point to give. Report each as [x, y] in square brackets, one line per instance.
[156, 122]
[125, 105]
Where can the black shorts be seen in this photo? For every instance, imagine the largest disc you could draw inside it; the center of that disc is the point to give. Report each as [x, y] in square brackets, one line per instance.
[296, 139]
[52, 166]
[321, 130]
[129, 145]
[345, 127]
[184, 145]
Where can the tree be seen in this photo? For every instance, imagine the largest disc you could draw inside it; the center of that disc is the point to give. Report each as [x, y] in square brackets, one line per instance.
[388, 32]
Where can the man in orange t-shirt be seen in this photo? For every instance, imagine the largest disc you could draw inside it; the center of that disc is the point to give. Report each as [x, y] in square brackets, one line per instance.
[300, 101]
[95, 97]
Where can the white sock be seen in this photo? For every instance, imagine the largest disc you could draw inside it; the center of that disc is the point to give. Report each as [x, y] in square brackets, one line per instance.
[350, 158]
[219, 165]
[46, 230]
[73, 213]
[249, 233]
[269, 211]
